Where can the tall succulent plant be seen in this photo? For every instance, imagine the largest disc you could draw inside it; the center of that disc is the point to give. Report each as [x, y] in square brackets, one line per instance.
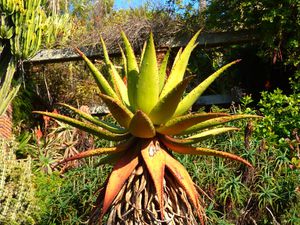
[6, 92]
[147, 184]
[23, 26]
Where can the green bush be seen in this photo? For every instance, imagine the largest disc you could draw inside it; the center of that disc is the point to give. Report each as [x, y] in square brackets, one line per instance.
[69, 199]
[281, 114]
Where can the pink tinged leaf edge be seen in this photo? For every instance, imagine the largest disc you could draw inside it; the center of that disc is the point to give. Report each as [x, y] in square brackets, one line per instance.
[183, 149]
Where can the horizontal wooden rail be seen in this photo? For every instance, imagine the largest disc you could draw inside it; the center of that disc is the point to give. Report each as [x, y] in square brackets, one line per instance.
[205, 40]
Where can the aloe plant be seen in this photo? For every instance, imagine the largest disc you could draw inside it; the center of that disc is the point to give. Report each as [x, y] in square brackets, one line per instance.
[147, 184]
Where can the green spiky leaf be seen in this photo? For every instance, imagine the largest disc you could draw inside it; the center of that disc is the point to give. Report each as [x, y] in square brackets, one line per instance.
[100, 80]
[166, 106]
[216, 122]
[210, 133]
[132, 72]
[106, 125]
[163, 71]
[181, 123]
[147, 86]
[179, 67]
[119, 86]
[183, 149]
[86, 126]
[193, 96]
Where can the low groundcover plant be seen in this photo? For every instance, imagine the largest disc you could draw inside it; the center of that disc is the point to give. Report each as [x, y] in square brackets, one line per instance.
[147, 184]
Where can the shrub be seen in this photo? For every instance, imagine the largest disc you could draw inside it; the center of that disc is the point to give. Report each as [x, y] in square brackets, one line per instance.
[17, 191]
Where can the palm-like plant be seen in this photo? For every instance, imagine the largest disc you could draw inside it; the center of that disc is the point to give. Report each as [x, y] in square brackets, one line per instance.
[147, 185]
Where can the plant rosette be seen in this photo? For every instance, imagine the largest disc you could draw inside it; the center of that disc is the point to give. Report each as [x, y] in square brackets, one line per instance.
[147, 184]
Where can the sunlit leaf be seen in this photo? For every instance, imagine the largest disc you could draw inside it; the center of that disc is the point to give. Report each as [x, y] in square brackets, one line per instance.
[162, 73]
[166, 106]
[86, 127]
[106, 125]
[184, 149]
[210, 133]
[181, 123]
[132, 72]
[147, 86]
[117, 81]
[193, 96]
[217, 121]
[100, 80]
[179, 67]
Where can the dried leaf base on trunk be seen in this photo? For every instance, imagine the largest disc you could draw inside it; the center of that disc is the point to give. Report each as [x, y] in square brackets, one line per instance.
[137, 203]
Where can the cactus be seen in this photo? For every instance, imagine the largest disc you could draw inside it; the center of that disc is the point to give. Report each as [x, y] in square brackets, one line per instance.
[6, 30]
[28, 26]
[11, 6]
[24, 24]
[7, 94]
[17, 192]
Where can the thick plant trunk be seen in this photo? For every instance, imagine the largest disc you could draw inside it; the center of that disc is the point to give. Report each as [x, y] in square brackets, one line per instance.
[137, 203]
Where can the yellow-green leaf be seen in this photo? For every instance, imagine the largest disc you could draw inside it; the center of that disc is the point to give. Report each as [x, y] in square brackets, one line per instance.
[179, 67]
[106, 125]
[147, 86]
[163, 71]
[124, 59]
[166, 106]
[193, 96]
[117, 81]
[143, 53]
[86, 127]
[216, 122]
[210, 133]
[100, 80]
[181, 123]
[132, 72]
[183, 149]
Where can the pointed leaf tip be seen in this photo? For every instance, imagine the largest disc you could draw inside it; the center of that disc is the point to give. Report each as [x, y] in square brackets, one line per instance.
[148, 81]
[179, 67]
[118, 110]
[183, 149]
[192, 97]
